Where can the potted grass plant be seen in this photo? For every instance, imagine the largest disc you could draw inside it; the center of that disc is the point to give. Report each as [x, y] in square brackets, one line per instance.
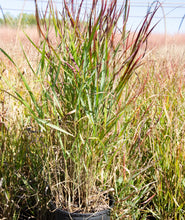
[87, 56]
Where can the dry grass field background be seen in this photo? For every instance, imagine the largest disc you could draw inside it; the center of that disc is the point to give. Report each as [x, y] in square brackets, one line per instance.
[10, 39]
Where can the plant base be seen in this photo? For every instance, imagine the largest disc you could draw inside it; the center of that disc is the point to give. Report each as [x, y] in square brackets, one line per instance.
[59, 214]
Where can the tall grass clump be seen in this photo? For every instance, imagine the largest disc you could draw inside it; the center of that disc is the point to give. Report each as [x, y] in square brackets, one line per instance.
[83, 124]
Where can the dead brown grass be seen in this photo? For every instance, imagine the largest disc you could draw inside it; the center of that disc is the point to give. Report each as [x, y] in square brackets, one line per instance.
[10, 39]
[160, 40]
[12, 35]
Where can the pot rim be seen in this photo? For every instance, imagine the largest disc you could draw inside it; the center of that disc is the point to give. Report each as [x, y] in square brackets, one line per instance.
[75, 214]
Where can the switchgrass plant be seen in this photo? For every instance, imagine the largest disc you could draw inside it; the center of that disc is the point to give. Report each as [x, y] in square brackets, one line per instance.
[83, 79]
[96, 125]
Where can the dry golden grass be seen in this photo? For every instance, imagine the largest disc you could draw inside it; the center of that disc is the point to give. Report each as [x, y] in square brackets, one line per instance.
[159, 40]
[10, 39]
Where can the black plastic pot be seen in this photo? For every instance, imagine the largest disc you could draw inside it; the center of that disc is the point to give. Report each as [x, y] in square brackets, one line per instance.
[59, 214]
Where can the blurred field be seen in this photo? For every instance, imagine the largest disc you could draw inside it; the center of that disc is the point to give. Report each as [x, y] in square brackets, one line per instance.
[158, 40]
[10, 39]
